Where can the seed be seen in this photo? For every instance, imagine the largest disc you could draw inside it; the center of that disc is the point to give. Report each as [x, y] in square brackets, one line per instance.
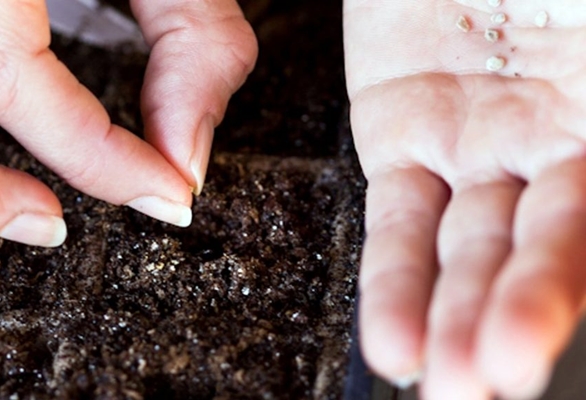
[463, 24]
[494, 3]
[495, 63]
[491, 35]
[541, 19]
[498, 18]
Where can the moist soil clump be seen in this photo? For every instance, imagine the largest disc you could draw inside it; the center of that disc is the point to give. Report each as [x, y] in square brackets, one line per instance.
[255, 298]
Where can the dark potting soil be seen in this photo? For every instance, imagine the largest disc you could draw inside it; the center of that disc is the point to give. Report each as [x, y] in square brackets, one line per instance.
[254, 300]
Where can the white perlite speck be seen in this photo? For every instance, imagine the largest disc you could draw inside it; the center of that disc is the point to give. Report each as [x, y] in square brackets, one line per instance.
[491, 35]
[463, 24]
[498, 18]
[494, 3]
[495, 63]
[541, 19]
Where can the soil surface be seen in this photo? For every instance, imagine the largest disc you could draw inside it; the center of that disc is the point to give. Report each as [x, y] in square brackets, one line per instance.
[254, 300]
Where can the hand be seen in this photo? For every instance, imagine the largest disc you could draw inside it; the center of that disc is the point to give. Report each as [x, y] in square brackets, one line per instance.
[201, 53]
[473, 266]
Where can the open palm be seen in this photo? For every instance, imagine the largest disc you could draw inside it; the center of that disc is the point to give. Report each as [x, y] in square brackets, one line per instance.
[474, 267]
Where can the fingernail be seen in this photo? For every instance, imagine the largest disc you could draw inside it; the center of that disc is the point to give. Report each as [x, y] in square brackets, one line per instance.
[201, 154]
[406, 381]
[534, 383]
[36, 230]
[162, 209]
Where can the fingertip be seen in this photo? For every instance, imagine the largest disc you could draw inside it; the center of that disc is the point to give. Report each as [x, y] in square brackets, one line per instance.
[392, 336]
[30, 213]
[461, 386]
[517, 347]
[184, 138]
[35, 230]
[534, 383]
[392, 358]
[163, 209]
[516, 380]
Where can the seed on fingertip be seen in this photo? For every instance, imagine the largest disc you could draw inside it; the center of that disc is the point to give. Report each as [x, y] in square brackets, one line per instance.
[498, 18]
[495, 63]
[463, 24]
[494, 3]
[541, 19]
[491, 35]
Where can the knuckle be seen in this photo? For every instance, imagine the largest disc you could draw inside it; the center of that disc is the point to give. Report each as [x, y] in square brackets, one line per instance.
[89, 170]
[241, 50]
[82, 176]
[245, 50]
[231, 34]
[8, 79]
[16, 16]
[18, 42]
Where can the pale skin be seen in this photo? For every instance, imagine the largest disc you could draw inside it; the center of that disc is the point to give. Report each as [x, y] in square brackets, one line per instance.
[201, 52]
[474, 267]
[477, 180]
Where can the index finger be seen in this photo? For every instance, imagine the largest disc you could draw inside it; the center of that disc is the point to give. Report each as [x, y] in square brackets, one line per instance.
[58, 120]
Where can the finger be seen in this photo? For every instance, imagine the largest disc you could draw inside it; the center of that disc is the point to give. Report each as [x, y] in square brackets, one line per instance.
[534, 306]
[474, 240]
[202, 53]
[398, 269]
[46, 109]
[29, 211]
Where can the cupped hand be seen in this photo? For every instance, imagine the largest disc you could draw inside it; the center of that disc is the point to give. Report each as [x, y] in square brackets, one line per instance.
[474, 266]
[201, 54]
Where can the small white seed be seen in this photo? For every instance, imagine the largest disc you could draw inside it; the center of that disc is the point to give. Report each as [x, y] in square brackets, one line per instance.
[491, 35]
[498, 18]
[495, 63]
[463, 24]
[541, 19]
[494, 3]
